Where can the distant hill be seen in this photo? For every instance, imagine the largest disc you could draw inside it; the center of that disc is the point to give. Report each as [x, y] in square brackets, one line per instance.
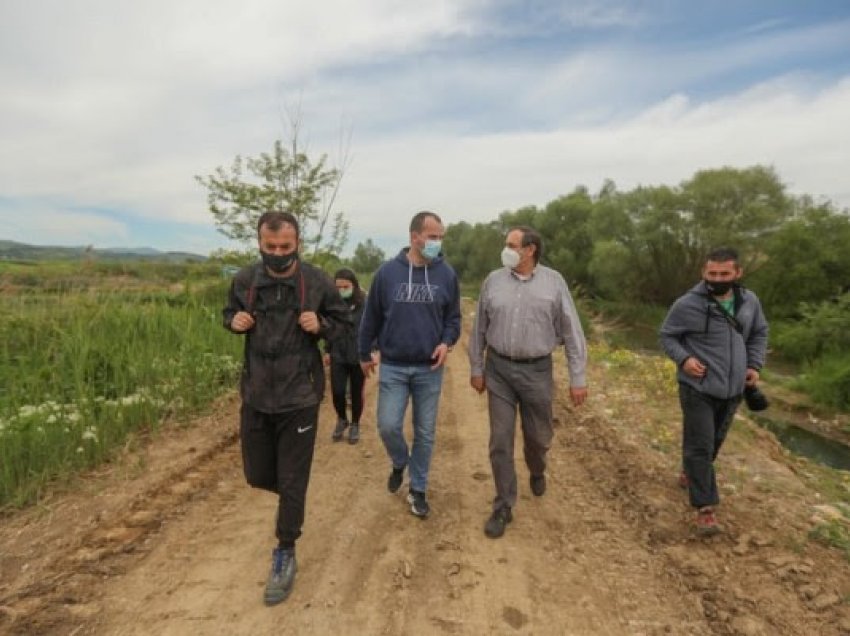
[11, 250]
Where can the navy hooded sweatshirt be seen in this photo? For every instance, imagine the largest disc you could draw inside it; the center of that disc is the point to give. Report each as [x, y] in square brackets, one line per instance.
[410, 310]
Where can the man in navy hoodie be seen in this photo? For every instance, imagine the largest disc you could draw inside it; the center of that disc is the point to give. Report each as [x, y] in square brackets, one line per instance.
[413, 313]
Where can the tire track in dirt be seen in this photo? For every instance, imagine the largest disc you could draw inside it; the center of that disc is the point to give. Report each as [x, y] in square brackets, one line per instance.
[64, 568]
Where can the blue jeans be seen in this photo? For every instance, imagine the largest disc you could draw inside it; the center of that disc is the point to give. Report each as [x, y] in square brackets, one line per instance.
[397, 384]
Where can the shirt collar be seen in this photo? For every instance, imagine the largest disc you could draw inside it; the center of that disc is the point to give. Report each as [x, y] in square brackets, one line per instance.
[523, 277]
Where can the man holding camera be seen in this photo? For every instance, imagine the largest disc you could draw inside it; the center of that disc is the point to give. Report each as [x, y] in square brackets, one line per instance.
[716, 334]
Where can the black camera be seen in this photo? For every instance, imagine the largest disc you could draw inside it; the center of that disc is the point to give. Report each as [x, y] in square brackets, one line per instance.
[755, 399]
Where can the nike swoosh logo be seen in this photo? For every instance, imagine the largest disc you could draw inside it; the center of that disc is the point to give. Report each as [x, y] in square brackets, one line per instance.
[305, 429]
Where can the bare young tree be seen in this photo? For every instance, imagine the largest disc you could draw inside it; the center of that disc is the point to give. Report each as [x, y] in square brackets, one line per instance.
[285, 179]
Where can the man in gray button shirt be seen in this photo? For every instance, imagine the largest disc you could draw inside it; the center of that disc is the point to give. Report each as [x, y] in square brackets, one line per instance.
[524, 312]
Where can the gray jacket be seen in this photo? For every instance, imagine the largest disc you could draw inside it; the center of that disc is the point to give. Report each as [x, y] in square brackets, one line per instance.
[695, 326]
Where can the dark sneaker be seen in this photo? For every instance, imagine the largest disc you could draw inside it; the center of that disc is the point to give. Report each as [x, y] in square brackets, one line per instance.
[354, 434]
[418, 505]
[495, 526]
[395, 479]
[341, 425]
[538, 485]
[706, 522]
[683, 480]
[282, 576]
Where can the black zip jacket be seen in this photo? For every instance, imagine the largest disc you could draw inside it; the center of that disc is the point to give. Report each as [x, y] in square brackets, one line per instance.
[343, 349]
[282, 369]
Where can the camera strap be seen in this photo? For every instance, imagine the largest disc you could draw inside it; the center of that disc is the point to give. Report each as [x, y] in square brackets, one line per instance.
[733, 322]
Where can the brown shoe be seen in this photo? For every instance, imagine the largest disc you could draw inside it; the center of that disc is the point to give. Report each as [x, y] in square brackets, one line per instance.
[706, 522]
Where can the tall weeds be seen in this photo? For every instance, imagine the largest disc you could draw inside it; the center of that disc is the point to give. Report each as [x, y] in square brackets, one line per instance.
[81, 369]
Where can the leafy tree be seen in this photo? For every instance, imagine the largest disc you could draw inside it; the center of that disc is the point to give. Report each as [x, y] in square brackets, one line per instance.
[611, 269]
[667, 232]
[806, 261]
[739, 207]
[367, 257]
[285, 179]
[473, 250]
[567, 243]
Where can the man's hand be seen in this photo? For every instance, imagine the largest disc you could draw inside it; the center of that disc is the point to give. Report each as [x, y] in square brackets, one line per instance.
[439, 356]
[242, 322]
[368, 367]
[309, 322]
[326, 359]
[578, 395]
[694, 368]
[752, 377]
[477, 382]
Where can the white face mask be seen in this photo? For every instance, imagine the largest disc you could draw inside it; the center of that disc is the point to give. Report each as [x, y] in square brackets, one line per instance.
[510, 258]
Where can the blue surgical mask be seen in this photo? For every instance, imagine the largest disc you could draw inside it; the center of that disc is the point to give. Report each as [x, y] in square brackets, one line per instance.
[432, 249]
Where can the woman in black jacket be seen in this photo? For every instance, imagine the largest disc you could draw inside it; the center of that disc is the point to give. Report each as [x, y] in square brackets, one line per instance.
[341, 355]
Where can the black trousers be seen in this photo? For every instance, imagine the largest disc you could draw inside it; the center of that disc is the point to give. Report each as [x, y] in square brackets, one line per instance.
[706, 422]
[341, 376]
[277, 454]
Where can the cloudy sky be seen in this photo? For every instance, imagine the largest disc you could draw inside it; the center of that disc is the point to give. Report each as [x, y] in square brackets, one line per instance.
[108, 108]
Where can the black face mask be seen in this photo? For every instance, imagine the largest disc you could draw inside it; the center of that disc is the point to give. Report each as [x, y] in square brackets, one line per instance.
[278, 263]
[716, 288]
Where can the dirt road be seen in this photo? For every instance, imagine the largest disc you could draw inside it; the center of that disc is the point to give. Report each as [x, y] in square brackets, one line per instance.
[170, 540]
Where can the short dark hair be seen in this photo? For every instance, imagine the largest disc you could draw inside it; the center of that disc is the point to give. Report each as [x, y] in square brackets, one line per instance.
[723, 254]
[418, 220]
[275, 220]
[530, 236]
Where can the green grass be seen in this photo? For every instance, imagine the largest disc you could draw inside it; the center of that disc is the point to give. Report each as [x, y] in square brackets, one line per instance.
[834, 533]
[83, 367]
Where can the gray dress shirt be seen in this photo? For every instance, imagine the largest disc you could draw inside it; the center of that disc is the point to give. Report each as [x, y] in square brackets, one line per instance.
[528, 319]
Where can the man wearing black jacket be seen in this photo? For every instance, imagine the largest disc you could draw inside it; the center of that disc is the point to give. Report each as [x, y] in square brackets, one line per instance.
[283, 306]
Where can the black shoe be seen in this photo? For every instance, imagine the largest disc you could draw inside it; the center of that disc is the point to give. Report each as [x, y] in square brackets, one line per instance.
[395, 479]
[282, 576]
[538, 485]
[418, 504]
[354, 434]
[341, 425]
[495, 526]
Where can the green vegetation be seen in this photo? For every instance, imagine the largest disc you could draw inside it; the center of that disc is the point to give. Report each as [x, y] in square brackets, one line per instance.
[93, 354]
[820, 341]
[835, 533]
